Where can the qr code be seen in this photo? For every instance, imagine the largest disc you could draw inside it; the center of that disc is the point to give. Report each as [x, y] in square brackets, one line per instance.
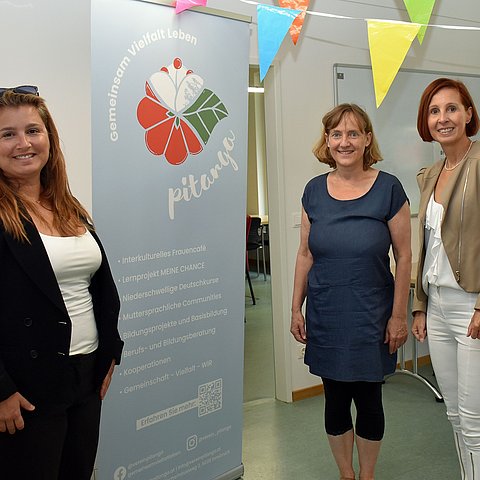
[210, 397]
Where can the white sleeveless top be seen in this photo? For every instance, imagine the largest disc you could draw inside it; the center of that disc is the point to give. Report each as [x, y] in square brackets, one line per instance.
[74, 261]
[436, 269]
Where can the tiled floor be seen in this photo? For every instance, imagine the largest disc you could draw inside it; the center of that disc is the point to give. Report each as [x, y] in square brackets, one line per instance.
[287, 441]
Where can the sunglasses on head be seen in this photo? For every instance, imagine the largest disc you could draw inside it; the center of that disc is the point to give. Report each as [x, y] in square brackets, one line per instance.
[25, 89]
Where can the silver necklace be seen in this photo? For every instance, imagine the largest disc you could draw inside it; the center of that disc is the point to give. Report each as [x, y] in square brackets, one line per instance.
[449, 169]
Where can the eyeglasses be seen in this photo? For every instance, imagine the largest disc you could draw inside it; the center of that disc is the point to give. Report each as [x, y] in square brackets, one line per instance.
[25, 89]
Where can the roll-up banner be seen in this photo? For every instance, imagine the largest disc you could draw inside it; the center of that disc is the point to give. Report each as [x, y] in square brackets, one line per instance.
[169, 120]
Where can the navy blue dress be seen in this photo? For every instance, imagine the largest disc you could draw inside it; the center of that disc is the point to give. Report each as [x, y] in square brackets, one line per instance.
[350, 286]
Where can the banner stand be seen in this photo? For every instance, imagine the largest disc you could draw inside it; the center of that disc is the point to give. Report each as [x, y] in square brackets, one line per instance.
[169, 133]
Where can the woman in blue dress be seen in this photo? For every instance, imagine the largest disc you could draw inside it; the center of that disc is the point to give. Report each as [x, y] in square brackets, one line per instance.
[356, 310]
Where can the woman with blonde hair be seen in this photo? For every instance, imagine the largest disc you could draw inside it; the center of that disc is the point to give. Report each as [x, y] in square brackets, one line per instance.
[356, 310]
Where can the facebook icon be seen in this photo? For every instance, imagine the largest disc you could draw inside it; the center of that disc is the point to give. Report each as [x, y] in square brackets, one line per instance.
[120, 473]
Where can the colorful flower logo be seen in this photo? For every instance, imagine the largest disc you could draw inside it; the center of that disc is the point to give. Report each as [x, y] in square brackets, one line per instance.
[177, 113]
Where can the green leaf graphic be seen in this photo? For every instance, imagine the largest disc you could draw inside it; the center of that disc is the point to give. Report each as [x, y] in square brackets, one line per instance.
[205, 113]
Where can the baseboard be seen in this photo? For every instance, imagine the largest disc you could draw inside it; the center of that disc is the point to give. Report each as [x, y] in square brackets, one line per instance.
[307, 392]
[316, 390]
[421, 361]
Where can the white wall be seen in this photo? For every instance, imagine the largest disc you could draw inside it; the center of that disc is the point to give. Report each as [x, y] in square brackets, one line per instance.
[47, 42]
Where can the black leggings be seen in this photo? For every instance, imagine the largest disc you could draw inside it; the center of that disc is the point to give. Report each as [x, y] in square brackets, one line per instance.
[367, 396]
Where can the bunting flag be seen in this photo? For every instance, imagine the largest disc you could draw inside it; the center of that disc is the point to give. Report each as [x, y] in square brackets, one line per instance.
[297, 24]
[273, 25]
[389, 43]
[420, 11]
[182, 5]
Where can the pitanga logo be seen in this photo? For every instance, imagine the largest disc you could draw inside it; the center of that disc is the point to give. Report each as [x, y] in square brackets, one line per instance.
[177, 113]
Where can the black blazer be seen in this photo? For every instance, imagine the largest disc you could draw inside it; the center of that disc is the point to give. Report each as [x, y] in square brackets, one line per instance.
[35, 328]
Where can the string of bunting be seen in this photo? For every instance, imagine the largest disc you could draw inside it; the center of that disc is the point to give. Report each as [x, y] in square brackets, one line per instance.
[389, 40]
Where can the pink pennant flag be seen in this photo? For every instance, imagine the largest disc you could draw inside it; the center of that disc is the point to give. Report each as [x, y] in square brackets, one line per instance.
[182, 5]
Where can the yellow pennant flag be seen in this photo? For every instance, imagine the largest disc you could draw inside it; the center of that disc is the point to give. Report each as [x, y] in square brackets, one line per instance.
[389, 43]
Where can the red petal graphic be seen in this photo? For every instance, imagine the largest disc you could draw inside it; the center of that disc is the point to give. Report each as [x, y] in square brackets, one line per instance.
[149, 91]
[176, 149]
[149, 113]
[157, 138]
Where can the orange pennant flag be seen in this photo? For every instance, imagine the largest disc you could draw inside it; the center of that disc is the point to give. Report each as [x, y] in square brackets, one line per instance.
[298, 22]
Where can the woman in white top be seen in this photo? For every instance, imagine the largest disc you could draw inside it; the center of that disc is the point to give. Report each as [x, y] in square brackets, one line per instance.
[447, 302]
[58, 304]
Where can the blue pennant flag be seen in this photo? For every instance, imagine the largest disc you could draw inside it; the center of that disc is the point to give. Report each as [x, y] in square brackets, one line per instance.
[273, 25]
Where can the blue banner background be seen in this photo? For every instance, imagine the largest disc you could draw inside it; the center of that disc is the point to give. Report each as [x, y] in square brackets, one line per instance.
[174, 409]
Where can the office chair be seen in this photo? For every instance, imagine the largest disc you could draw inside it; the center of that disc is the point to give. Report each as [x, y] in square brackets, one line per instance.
[254, 242]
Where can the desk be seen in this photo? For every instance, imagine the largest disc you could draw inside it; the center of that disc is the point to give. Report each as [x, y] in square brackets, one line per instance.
[401, 352]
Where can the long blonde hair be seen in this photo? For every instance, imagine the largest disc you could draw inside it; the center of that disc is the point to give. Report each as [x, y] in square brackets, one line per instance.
[68, 213]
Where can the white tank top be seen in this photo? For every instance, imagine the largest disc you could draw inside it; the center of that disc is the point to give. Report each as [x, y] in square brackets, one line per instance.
[74, 261]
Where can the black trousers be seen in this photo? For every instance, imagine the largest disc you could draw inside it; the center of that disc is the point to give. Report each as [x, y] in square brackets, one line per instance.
[59, 441]
[367, 397]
